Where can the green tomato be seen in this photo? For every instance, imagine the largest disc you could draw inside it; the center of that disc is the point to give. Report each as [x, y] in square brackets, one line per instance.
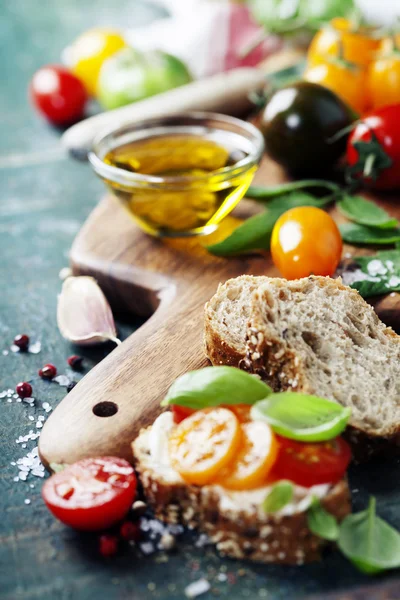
[129, 76]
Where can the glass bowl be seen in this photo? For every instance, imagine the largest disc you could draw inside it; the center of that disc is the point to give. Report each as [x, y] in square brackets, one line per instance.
[194, 169]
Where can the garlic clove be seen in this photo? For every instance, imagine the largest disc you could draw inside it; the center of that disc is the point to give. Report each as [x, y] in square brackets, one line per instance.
[84, 316]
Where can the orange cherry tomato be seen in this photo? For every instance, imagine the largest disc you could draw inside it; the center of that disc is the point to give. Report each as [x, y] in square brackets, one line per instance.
[383, 79]
[358, 45]
[204, 443]
[345, 80]
[180, 412]
[254, 460]
[311, 463]
[306, 241]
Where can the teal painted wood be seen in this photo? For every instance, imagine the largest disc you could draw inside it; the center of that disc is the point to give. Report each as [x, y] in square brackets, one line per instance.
[44, 199]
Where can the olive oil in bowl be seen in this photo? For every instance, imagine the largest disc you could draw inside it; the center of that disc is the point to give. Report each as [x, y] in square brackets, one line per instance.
[180, 178]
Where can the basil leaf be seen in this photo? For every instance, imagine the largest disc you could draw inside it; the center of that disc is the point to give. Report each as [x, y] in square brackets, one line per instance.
[214, 386]
[301, 417]
[353, 233]
[321, 522]
[265, 193]
[365, 212]
[369, 542]
[376, 275]
[255, 233]
[281, 494]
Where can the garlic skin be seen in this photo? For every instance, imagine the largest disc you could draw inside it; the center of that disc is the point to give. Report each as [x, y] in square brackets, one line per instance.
[84, 316]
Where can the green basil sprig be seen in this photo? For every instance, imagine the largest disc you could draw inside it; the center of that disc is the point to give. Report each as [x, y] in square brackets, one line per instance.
[377, 274]
[255, 233]
[266, 193]
[363, 211]
[302, 417]
[279, 496]
[214, 386]
[370, 543]
[354, 233]
[321, 522]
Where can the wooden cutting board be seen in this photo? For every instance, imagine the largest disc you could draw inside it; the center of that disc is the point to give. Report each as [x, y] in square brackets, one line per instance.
[169, 282]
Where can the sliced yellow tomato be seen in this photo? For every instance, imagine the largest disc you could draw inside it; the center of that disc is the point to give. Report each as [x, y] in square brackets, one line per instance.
[201, 445]
[88, 53]
[255, 459]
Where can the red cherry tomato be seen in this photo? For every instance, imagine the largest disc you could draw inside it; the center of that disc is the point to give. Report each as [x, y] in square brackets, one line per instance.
[58, 95]
[306, 241]
[91, 494]
[373, 149]
[181, 412]
[309, 464]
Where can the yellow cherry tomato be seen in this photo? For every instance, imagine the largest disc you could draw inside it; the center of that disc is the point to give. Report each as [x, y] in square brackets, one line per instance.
[203, 444]
[346, 81]
[306, 241]
[383, 79]
[256, 457]
[89, 51]
[358, 45]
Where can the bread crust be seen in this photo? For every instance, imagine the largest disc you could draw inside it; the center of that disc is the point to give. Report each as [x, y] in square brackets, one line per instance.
[241, 534]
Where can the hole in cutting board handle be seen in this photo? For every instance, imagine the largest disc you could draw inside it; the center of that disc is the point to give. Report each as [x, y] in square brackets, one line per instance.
[105, 409]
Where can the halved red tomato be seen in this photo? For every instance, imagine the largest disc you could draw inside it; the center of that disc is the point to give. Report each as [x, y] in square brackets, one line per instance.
[309, 464]
[91, 494]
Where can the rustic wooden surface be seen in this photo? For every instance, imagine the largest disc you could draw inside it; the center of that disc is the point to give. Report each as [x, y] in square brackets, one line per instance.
[45, 199]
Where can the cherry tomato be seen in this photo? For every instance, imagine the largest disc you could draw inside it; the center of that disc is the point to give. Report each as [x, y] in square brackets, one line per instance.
[373, 149]
[306, 241]
[254, 460]
[383, 80]
[91, 494]
[309, 464]
[58, 95]
[346, 81]
[203, 444]
[358, 45]
[88, 53]
[180, 412]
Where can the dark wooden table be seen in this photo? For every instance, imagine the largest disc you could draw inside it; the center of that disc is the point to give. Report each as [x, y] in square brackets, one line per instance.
[45, 197]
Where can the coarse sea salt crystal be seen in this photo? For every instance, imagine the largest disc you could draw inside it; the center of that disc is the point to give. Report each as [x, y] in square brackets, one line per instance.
[201, 586]
[62, 380]
[376, 267]
[35, 348]
[394, 281]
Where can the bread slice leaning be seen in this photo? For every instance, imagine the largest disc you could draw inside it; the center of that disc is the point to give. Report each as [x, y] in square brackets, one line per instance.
[239, 528]
[227, 315]
[315, 335]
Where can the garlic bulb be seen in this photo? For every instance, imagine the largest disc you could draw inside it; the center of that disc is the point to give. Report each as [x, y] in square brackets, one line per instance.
[84, 316]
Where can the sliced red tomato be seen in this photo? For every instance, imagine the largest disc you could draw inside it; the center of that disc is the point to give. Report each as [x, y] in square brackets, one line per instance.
[309, 464]
[181, 412]
[91, 494]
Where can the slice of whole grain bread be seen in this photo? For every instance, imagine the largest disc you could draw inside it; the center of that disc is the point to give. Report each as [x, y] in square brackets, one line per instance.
[314, 335]
[239, 530]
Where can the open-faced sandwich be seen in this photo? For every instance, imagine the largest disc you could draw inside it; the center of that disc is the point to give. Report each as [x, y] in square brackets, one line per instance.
[244, 465]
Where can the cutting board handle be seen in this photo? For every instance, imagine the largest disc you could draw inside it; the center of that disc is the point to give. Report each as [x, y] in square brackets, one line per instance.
[123, 392]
